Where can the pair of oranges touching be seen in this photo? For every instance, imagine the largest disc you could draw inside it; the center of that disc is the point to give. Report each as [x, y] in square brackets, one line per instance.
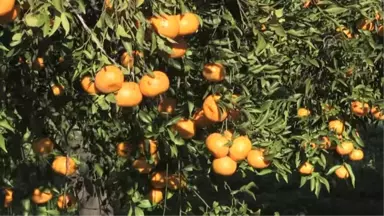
[64, 201]
[160, 180]
[362, 109]
[228, 151]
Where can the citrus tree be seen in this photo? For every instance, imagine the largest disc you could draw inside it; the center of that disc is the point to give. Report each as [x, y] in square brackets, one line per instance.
[182, 107]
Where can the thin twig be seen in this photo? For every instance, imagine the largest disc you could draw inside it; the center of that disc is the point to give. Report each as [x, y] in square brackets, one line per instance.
[98, 44]
[198, 195]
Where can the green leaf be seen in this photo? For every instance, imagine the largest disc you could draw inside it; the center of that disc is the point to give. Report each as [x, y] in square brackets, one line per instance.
[263, 172]
[58, 4]
[303, 180]
[326, 183]
[139, 3]
[99, 170]
[279, 12]
[121, 32]
[144, 117]
[4, 123]
[65, 23]
[350, 171]
[56, 25]
[139, 211]
[33, 20]
[145, 204]
[334, 10]
[261, 44]
[332, 170]
[53, 212]
[278, 29]
[2, 143]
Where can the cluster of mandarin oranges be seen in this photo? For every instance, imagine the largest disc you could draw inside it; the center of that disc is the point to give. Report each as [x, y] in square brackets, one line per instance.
[228, 150]
[363, 24]
[346, 147]
[159, 179]
[61, 165]
[110, 79]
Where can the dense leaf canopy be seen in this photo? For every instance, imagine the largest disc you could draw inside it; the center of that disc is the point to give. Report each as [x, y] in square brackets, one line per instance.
[278, 56]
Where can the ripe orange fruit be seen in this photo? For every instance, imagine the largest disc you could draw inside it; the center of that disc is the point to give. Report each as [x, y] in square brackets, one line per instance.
[349, 72]
[380, 31]
[167, 105]
[64, 165]
[189, 23]
[342, 172]
[176, 182]
[124, 149]
[307, 4]
[129, 95]
[217, 145]
[228, 134]
[66, 201]
[108, 4]
[11, 16]
[306, 169]
[57, 90]
[166, 25]
[178, 49]
[127, 60]
[142, 166]
[155, 196]
[379, 115]
[6, 6]
[356, 155]
[158, 180]
[224, 166]
[153, 86]
[359, 109]
[303, 112]
[152, 147]
[337, 126]
[185, 128]
[211, 109]
[326, 144]
[240, 148]
[365, 25]
[109, 79]
[88, 85]
[263, 27]
[256, 159]
[40, 197]
[214, 72]
[8, 197]
[345, 30]
[305, 145]
[344, 148]
[38, 64]
[42, 146]
[200, 119]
